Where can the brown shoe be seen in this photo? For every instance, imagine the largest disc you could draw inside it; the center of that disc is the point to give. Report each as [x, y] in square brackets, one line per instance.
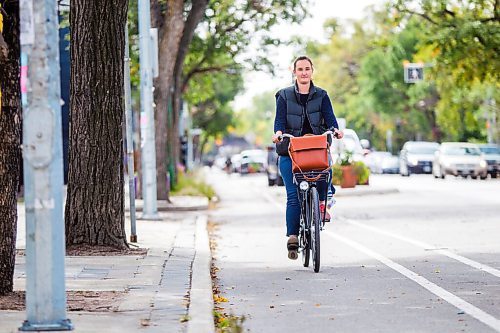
[293, 245]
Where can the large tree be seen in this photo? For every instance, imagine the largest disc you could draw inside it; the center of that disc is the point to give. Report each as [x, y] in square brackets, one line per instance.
[95, 201]
[176, 21]
[463, 41]
[225, 31]
[10, 132]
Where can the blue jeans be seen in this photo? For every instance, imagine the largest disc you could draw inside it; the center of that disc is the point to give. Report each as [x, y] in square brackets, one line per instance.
[292, 195]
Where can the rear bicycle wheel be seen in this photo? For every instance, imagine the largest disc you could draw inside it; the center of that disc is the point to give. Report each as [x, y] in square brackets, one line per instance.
[315, 219]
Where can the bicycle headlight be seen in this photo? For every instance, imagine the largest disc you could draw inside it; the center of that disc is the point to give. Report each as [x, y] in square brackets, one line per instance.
[304, 185]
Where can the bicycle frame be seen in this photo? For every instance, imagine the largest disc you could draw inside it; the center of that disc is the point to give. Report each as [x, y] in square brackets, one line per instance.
[304, 194]
[310, 223]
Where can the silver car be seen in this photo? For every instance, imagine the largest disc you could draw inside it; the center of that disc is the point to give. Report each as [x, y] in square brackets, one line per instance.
[491, 153]
[459, 159]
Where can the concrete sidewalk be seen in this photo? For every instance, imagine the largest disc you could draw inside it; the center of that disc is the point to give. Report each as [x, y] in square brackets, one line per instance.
[167, 290]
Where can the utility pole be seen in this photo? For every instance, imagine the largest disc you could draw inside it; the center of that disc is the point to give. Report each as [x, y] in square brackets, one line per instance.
[43, 167]
[148, 158]
[130, 142]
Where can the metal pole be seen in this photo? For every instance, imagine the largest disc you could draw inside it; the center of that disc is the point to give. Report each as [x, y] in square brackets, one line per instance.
[148, 159]
[43, 167]
[189, 125]
[130, 143]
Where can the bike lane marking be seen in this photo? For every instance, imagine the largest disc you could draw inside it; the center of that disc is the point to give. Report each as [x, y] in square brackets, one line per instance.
[449, 297]
[425, 246]
[447, 253]
[454, 300]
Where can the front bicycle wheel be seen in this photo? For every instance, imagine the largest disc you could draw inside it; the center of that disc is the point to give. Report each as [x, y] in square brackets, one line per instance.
[315, 219]
[305, 244]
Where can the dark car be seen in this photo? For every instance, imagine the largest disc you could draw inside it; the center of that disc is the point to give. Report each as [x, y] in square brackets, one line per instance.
[491, 153]
[273, 172]
[417, 157]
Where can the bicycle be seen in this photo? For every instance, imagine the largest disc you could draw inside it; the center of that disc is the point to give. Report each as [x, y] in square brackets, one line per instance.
[310, 215]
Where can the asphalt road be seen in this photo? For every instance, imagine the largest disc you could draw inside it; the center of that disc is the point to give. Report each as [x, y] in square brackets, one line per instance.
[423, 259]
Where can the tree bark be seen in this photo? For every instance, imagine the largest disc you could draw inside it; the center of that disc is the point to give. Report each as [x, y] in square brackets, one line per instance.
[10, 152]
[95, 201]
[170, 34]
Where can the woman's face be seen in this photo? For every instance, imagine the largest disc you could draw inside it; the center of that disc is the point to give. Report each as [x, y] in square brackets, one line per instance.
[303, 71]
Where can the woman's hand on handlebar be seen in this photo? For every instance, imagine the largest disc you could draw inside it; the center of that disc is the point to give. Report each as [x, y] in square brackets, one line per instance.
[338, 133]
[277, 136]
[335, 133]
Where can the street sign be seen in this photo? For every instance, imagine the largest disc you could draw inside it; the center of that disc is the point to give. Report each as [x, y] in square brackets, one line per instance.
[413, 72]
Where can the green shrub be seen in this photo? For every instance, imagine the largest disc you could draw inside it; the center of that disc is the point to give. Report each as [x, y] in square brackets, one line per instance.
[362, 171]
[345, 158]
[192, 183]
[336, 174]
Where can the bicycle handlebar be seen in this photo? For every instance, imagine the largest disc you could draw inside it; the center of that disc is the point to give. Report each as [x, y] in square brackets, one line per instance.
[286, 135]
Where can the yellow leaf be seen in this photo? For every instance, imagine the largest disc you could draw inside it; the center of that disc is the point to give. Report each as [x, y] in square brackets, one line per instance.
[220, 299]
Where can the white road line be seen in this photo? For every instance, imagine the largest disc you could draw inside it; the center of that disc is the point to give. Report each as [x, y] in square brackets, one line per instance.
[454, 300]
[449, 254]
[457, 257]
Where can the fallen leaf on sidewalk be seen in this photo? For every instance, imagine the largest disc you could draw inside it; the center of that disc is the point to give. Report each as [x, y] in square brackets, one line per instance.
[184, 318]
[220, 299]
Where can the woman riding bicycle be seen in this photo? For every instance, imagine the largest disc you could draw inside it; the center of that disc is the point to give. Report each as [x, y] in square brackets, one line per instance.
[301, 109]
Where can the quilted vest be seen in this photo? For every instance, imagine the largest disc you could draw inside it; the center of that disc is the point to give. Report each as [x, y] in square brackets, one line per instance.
[296, 112]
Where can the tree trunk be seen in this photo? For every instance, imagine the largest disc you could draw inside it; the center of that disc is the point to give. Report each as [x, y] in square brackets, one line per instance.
[170, 34]
[10, 152]
[194, 17]
[95, 201]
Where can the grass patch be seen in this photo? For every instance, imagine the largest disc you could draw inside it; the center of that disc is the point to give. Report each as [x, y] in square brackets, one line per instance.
[192, 183]
[228, 323]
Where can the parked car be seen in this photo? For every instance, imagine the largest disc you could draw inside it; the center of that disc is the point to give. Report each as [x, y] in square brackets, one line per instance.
[390, 164]
[272, 170]
[252, 161]
[374, 160]
[459, 159]
[417, 157]
[349, 143]
[236, 163]
[491, 153]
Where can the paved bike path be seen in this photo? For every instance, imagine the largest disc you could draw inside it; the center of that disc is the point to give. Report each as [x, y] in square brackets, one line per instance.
[354, 291]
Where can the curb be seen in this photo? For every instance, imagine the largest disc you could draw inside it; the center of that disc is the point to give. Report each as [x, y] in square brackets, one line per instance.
[364, 192]
[201, 300]
[178, 205]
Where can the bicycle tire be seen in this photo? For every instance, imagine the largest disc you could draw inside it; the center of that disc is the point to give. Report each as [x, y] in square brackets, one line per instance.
[306, 249]
[315, 217]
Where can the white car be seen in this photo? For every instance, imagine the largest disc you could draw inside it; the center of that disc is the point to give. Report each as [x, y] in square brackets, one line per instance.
[459, 159]
[253, 160]
[349, 143]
